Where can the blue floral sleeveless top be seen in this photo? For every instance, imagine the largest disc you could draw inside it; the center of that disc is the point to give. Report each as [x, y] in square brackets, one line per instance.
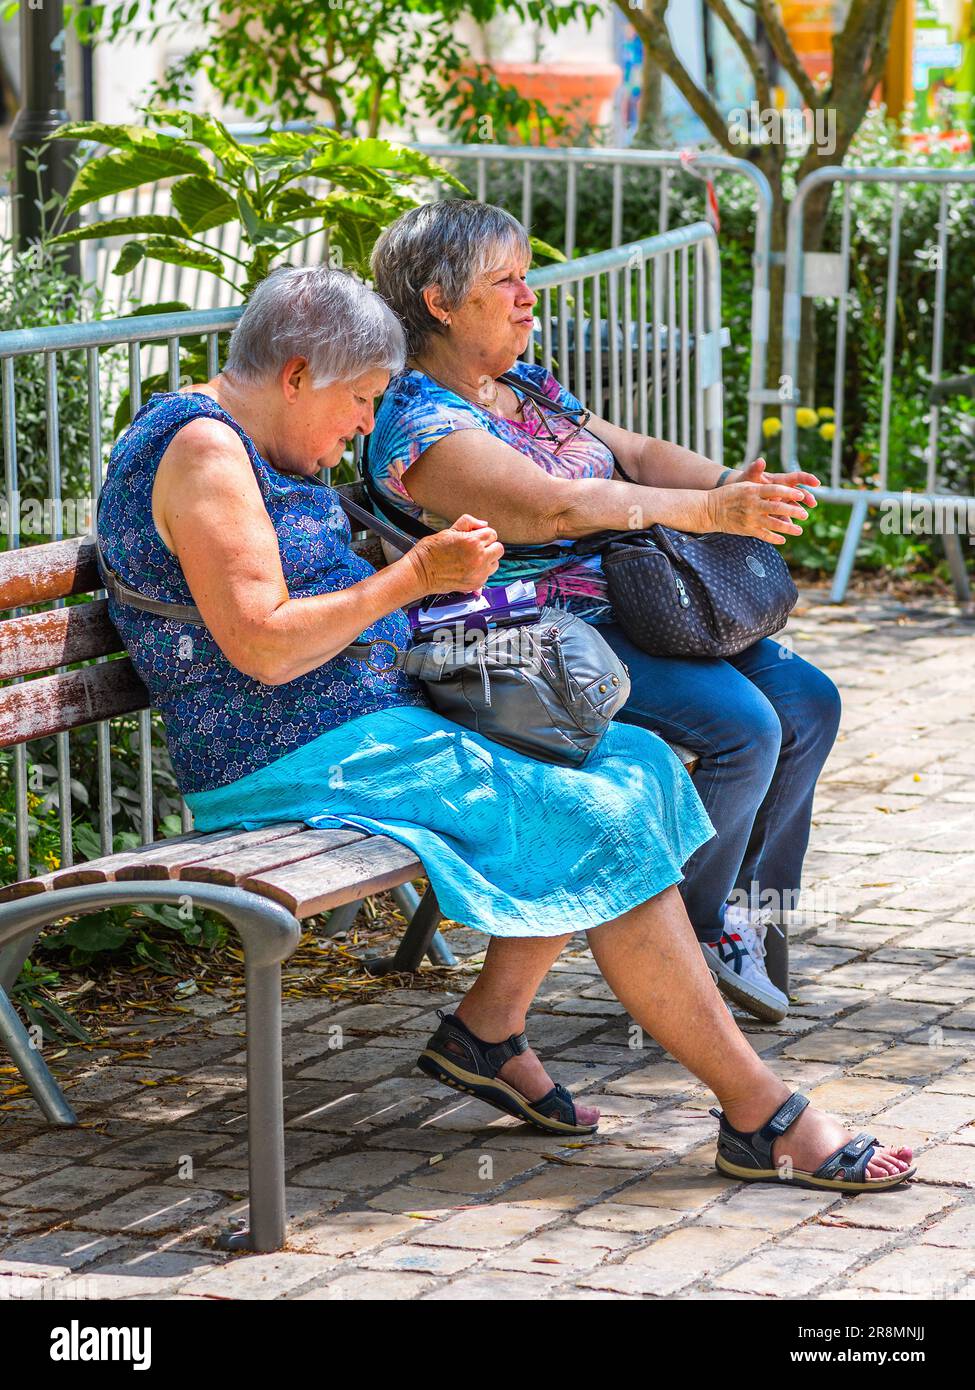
[221, 724]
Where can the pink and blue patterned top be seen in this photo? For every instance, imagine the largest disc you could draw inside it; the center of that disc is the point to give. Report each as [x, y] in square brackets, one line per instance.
[416, 411]
[221, 724]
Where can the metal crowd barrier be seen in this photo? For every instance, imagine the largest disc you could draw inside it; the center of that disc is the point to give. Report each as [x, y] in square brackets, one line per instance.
[827, 276]
[154, 281]
[639, 327]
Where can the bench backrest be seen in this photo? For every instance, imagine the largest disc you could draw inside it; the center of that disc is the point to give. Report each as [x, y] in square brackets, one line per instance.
[37, 644]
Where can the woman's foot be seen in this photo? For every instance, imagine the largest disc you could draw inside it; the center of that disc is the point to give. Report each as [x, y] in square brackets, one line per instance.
[525, 1072]
[811, 1138]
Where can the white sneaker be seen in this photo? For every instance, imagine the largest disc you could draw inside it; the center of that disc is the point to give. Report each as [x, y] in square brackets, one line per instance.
[737, 963]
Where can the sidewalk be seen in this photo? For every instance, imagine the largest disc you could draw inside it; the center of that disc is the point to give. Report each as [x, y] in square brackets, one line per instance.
[401, 1189]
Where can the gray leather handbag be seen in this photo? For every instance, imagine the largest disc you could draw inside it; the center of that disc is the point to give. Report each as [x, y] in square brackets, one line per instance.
[547, 688]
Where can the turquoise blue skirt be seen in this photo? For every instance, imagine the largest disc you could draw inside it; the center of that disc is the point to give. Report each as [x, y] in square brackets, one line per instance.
[512, 846]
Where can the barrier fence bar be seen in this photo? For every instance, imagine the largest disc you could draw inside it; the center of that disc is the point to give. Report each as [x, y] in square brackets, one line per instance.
[882, 491]
[605, 353]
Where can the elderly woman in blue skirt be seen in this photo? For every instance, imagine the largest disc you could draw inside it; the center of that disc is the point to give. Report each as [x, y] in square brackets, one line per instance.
[212, 498]
[452, 436]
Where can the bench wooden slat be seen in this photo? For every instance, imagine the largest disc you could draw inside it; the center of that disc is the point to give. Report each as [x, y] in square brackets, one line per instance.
[40, 573]
[232, 868]
[54, 704]
[59, 637]
[340, 876]
[75, 873]
[689, 759]
[166, 863]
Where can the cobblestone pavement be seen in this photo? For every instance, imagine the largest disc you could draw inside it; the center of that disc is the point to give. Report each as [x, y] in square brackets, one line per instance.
[401, 1189]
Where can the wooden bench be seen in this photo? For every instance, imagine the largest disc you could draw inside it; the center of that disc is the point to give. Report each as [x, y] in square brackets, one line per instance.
[263, 882]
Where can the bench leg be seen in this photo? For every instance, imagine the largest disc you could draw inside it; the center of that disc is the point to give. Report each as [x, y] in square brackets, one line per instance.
[269, 934]
[407, 900]
[265, 1116]
[32, 1067]
[416, 941]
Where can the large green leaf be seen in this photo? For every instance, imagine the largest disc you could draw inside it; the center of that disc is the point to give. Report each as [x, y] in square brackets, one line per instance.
[202, 203]
[127, 137]
[261, 232]
[208, 131]
[125, 169]
[123, 226]
[169, 249]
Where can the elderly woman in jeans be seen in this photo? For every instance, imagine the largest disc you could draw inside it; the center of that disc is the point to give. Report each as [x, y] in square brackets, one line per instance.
[212, 497]
[451, 437]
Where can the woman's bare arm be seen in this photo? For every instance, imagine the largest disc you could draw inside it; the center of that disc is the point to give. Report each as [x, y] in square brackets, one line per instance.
[470, 470]
[209, 511]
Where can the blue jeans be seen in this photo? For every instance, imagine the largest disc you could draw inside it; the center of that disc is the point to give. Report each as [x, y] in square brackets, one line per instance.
[762, 724]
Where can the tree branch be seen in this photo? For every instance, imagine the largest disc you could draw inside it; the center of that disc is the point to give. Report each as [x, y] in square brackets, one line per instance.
[768, 13]
[651, 25]
[748, 49]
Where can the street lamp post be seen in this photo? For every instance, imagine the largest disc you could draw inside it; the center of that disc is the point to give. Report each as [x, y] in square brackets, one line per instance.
[42, 110]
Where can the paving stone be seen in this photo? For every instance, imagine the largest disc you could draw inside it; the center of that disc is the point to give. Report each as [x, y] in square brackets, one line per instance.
[490, 1285]
[70, 1189]
[676, 1260]
[564, 1251]
[830, 1046]
[905, 1061]
[55, 1252]
[957, 1229]
[898, 1209]
[889, 1016]
[258, 1276]
[486, 1228]
[356, 1172]
[786, 1271]
[931, 1112]
[167, 1149]
[851, 1095]
[477, 1172]
[358, 1064]
[948, 1163]
[421, 1259]
[610, 1216]
[931, 1271]
[858, 1241]
[765, 1207]
[382, 1285]
[152, 1210]
[679, 1187]
[366, 1018]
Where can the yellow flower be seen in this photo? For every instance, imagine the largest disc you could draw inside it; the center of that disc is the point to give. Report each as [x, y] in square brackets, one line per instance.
[826, 412]
[806, 418]
[771, 426]
[51, 860]
[827, 431]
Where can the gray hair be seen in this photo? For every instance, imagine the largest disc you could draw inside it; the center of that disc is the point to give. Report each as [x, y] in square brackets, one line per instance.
[327, 316]
[450, 244]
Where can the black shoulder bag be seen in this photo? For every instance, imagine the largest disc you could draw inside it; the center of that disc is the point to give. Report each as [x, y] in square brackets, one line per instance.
[674, 593]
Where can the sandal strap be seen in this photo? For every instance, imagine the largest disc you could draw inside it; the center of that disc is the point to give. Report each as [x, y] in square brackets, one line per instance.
[757, 1146]
[786, 1115]
[853, 1156]
[486, 1059]
[557, 1104]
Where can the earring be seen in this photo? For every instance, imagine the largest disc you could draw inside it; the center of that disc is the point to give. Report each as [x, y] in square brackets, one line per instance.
[446, 321]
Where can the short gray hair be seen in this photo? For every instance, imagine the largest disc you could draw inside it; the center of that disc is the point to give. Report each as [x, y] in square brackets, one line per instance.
[449, 244]
[328, 316]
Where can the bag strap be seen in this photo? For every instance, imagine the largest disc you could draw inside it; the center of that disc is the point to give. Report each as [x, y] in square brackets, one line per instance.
[122, 592]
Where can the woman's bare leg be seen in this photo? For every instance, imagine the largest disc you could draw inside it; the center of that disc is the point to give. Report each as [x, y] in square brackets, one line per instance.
[651, 960]
[496, 1005]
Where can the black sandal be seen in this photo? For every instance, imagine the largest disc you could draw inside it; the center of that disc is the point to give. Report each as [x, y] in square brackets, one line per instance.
[748, 1157]
[459, 1059]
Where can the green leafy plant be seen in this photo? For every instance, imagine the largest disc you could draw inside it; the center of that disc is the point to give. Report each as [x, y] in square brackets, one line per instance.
[268, 188]
[367, 66]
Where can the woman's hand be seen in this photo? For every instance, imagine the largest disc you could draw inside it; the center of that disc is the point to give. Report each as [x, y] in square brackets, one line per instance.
[756, 507]
[797, 479]
[459, 559]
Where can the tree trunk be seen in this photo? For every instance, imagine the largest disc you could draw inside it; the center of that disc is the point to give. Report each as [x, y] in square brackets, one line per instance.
[647, 133]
